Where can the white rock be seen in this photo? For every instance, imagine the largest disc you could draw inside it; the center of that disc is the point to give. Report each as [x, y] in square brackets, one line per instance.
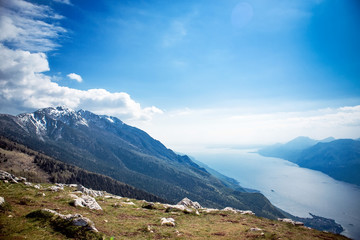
[188, 203]
[2, 201]
[89, 191]
[209, 210]
[234, 210]
[56, 188]
[168, 222]
[255, 229]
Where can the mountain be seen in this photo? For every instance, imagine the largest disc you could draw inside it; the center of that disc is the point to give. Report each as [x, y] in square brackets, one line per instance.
[291, 150]
[39, 168]
[107, 146]
[339, 159]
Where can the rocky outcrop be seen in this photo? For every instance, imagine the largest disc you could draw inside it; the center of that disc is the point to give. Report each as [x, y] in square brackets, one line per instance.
[7, 177]
[74, 219]
[190, 204]
[89, 191]
[248, 212]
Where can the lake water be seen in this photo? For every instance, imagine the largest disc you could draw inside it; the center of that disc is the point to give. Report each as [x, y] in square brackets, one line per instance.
[292, 188]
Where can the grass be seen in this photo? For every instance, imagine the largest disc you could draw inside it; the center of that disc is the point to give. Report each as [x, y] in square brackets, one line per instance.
[120, 220]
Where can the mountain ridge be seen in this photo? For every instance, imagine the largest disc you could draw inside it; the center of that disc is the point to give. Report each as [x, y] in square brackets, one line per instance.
[339, 158]
[108, 146]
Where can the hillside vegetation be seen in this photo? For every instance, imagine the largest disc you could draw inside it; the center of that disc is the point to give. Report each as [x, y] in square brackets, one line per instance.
[37, 167]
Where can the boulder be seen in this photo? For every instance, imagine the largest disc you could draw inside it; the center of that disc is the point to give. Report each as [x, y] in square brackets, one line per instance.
[168, 222]
[2, 201]
[188, 203]
[234, 210]
[85, 201]
[55, 188]
[76, 219]
[89, 191]
[288, 220]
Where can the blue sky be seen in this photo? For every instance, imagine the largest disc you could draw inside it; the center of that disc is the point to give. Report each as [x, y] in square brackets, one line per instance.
[174, 67]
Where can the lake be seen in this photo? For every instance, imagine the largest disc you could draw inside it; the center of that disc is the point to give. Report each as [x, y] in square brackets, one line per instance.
[292, 188]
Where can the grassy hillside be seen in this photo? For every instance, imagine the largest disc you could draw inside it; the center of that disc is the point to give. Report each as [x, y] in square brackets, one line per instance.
[124, 218]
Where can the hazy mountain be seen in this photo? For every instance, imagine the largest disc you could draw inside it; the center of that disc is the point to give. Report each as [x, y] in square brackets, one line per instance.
[291, 150]
[107, 146]
[339, 159]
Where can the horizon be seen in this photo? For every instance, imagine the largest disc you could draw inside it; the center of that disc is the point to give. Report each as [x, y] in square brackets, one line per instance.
[191, 74]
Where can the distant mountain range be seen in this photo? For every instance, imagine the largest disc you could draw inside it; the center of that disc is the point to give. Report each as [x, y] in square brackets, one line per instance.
[107, 146]
[339, 159]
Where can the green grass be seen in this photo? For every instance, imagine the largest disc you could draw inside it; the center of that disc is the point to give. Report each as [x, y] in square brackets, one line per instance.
[119, 220]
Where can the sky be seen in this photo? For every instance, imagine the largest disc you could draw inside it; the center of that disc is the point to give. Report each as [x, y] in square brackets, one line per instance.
[193, 74]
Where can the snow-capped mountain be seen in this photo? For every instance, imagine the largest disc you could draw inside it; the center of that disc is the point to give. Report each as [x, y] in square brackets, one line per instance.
[47, 121]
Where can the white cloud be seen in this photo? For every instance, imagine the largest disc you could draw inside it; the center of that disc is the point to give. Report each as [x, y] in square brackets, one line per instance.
[75, 77]
[191, 129]
[24, 85]
[35, 29]
[63, 1]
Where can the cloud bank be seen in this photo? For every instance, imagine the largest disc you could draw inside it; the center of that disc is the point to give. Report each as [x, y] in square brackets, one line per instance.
[24, 85]
[192, 130]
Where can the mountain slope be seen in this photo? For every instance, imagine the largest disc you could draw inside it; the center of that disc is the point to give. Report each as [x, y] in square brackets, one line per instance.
[291, 150]
[339, 159]
[37, 167]
[107, 146]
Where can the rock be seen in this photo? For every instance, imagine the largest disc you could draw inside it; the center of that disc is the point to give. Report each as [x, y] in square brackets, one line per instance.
[5, 176]
[22, 179]
[209, 210]
[255, 229]
[28, 184]
[91, 203]
[230, 209]
[128, 203]
[76, 219]
[84, 222]
[37, 186]
[168, 222]
[2, 201]
[188, 203]
[85, 201]
[55, 188]
[288, 220]
[299, 224]
[148, 205]
[89, 191]
[112, 196]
